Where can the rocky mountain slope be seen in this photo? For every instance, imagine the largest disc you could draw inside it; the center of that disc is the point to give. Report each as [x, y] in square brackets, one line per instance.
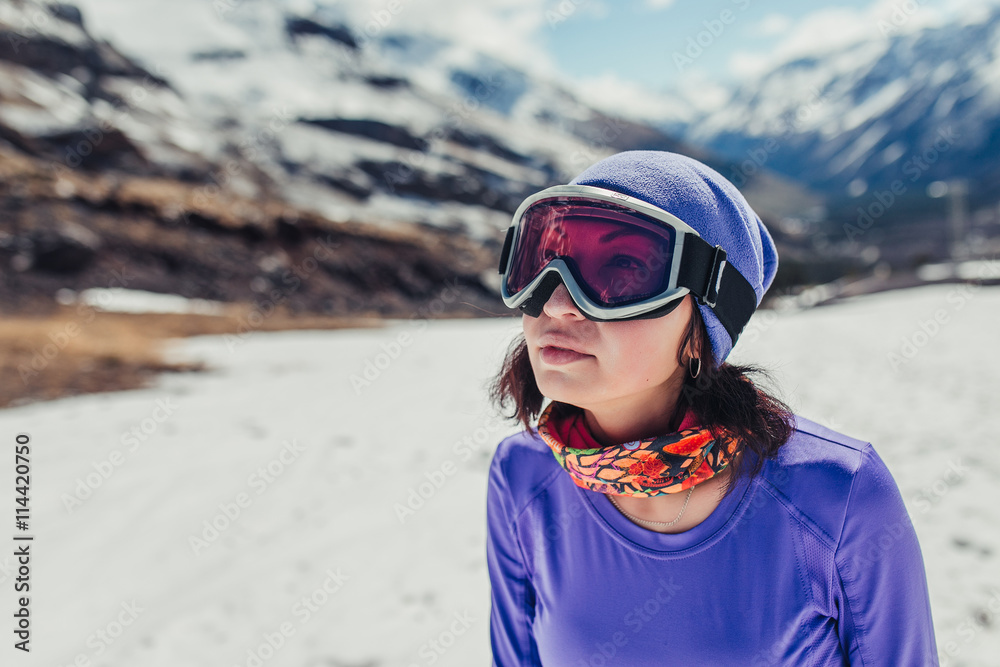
[916, 106]
[108, 177]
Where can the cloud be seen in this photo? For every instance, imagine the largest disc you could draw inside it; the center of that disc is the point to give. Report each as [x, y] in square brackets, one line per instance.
[823, 30]
[832, 28]
[702, 93]
[657, 5]
[820, 32]
[772, 24]
[506, 29]
[748, 65]
[612, 94]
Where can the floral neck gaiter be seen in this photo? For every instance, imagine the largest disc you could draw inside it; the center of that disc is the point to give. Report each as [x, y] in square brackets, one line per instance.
[669, 463]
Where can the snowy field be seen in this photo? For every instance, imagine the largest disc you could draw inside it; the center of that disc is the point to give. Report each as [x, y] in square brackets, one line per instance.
[254, 515]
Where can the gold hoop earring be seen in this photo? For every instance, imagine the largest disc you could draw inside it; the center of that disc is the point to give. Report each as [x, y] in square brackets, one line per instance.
[692, 369]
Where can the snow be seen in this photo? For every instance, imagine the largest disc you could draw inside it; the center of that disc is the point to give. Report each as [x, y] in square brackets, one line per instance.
[121, 300]
[876, 105]
[30, 19]
[933, 65]
[968, 270]
[861, 147]
[344, 456]
[34, 104]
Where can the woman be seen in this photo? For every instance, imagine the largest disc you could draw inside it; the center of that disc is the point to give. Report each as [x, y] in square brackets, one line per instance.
[666, 511]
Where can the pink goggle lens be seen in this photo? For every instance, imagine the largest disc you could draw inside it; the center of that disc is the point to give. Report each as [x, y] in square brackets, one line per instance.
[618, 256]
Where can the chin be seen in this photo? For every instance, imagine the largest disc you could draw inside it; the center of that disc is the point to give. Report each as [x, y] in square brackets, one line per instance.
[562, 391]
[560, 385]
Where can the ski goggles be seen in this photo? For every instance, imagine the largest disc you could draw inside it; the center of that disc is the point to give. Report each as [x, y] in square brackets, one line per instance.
[620, 258]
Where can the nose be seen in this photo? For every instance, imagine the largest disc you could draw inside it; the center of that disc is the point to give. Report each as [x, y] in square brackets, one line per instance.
[560, 304]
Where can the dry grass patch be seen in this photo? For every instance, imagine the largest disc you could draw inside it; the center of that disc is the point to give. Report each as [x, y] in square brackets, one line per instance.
[77, 351]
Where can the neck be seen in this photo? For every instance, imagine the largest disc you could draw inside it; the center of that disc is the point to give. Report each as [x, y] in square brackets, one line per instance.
[612, 424]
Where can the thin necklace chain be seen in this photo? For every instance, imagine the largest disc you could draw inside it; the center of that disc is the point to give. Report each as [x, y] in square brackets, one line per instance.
[647, 521]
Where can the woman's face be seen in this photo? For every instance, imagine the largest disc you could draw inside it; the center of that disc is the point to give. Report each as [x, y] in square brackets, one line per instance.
[603, 365]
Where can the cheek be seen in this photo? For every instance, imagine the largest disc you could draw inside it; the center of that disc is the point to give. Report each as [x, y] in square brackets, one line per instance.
[529, 326]
[645, 351]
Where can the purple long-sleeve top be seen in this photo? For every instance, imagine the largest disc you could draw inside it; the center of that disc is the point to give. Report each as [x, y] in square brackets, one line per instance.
[812, 562]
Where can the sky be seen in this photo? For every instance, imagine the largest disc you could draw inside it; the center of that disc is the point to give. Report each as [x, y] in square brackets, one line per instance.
[656, 42]
[702, 48]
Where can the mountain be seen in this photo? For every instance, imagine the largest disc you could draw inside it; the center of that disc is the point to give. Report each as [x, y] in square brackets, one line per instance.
[914, 107]
[395, 127]
[113, 176]
[212, 147]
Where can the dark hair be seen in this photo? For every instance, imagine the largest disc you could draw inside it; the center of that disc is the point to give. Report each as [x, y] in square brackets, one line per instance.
[724, 398]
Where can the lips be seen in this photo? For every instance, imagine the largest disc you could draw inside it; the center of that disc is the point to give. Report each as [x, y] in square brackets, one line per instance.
[557, 349]
[557, 356]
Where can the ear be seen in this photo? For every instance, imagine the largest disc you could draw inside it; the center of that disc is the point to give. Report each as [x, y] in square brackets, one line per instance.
[693, 348]
[691, 354]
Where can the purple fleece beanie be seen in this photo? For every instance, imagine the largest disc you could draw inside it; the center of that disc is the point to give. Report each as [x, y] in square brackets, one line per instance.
[703, 199]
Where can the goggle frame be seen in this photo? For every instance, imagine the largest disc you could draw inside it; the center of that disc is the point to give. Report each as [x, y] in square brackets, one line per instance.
[588, 307]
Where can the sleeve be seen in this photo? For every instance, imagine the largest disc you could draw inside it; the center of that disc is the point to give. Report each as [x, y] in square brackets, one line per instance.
[885, 615]
[512, 595]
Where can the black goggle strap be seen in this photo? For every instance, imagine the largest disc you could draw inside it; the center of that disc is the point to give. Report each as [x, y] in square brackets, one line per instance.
[717, 284]
[703, 270]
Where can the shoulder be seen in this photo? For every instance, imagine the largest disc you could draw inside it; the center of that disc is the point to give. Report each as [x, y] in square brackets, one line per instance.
[820, 475]
[522, 466]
